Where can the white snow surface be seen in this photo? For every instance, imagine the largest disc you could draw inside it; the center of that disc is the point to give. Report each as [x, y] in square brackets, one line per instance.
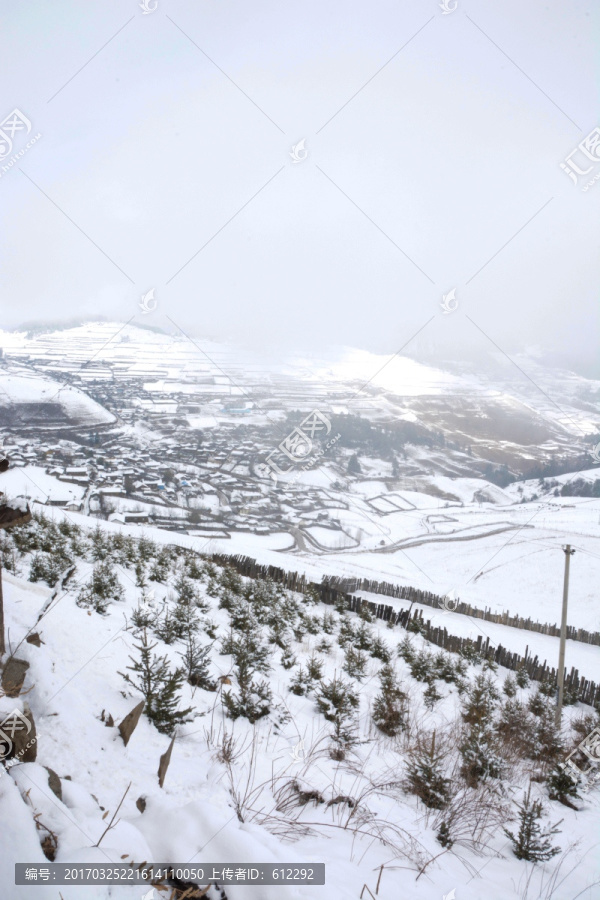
[75, 676]
[23, 388]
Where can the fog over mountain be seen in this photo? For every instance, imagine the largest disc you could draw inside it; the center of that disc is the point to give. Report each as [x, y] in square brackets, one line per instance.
[431, 162]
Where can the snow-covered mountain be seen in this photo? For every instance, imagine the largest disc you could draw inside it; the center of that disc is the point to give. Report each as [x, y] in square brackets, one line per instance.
[38, 401]
[143, 454]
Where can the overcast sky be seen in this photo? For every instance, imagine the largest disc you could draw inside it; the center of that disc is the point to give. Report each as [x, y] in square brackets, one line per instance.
[165, 163]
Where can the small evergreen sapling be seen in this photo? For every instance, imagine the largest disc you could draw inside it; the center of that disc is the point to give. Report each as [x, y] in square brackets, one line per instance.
[102, 587]
[431, 695]
[364, 612]
[547, 688]
[188, 595]
[46, 567]
[548, 744]
[167, 628]
[537, 703]
[328, 623]
[314, 668]
[481, 759]
[300, 683]
[469, 652]
[346, 634]
[425, 775]
[389, 707]
[355, 663]
[515, 727]
[380, 650]
[445, 668]
[480, 701]
[185, 616]
[279, 635]
[337, 702]
[421, 666]
[247, 649]
[288, 660]
[159, 686]
[406, 651]
[312, 624]
[443, 836]
[159, 569]
[144, 615]
[253, 699]
[532, 842]
[140, 574]
[363, 638]
[196, 663]
[563, 786]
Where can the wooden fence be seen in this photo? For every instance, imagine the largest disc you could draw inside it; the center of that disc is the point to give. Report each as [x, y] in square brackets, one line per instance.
[330, 591]
[427, 598]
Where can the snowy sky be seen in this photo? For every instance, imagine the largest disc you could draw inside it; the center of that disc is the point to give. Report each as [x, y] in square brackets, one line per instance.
[434, 146]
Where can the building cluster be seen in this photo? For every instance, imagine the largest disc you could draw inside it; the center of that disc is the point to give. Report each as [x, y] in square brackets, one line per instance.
[173, 476]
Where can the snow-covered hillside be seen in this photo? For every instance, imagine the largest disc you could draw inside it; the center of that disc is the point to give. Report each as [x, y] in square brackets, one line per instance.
[35, 400]
[303, 733]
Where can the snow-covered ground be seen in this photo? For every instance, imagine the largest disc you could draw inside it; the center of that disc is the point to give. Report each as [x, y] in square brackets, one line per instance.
[75, 685]
[496, 548]
[33, 483]
[23, 389]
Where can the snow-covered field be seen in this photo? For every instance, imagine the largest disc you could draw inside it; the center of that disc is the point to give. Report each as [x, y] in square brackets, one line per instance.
[24, 390]
[272, 790]
[248, 810]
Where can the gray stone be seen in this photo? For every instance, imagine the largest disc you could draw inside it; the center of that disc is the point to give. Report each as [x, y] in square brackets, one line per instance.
[164, 763]
[34, 639]
[13, 676]
[54, 782]
[128, 725]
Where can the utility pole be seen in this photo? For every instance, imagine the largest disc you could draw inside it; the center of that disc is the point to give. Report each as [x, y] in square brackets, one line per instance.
[563, 636]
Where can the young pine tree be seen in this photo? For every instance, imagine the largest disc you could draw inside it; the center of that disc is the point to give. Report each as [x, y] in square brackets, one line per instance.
[337, 702]
[406, 651]
[421, 666]
[288, 660]
[253, 699]
[532, 842]
[563, 786]
[425, 775]
[159, 568]
[196, 660]
[389, 707]
[46, 567]
[159, 686]
[167, 628]
[355, 662]
[548, 745]
[516, 728]
[186, 618]
[480, 701]
[102, 587]
[510, 686]
[188, 595]
[479, 751]
[300, 683]
[380, 650]
[431, 695]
